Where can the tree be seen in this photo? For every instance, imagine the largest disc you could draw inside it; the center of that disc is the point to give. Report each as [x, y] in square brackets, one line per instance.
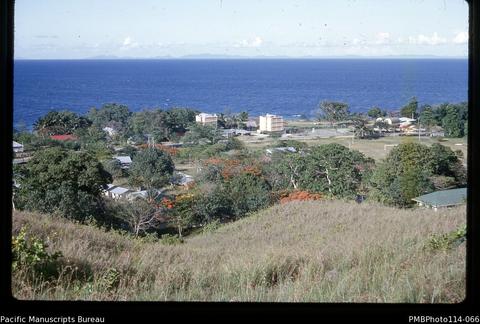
[427, 118]
[199, 134]
[247, 193]
[285, 171]
[109, 114]
[361, 128]
[445, 162]
[181, 215]
[60, 122]
[66, 182]
[179, 119]
[114, 167]
[139, 214]
[452, 123]
[410, 110]
[212, 203]
[151, 168]
[242, 119]
[376, 112]
[332, 111]
[334, 169]
[163, 125]
[413, 169]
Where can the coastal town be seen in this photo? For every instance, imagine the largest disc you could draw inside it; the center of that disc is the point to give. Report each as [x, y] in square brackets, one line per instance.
[375, 135]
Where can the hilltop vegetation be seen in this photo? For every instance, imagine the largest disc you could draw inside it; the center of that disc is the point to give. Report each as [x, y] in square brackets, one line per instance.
[316, 251]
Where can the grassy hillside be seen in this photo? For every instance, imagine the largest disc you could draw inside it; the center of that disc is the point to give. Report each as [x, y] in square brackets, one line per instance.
[303, 251]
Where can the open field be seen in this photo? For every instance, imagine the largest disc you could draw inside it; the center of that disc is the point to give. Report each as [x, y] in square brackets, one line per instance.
[374, 148]
[323, 251]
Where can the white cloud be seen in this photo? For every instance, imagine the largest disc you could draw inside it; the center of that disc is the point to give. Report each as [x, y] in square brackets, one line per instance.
[460, 38]
[427, 40]
[382, 38]
[129, 43]
[255, 42]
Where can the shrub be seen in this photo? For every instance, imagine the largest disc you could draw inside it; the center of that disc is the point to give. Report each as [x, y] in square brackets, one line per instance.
[211, 226]
[169, 239]
[299, 195]
[248, 193]
[448, 240]
[31, 254]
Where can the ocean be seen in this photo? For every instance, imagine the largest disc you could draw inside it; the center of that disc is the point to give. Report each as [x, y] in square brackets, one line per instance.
[286, 87]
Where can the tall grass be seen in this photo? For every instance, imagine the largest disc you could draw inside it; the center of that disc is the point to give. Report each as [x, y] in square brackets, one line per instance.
[319, 251]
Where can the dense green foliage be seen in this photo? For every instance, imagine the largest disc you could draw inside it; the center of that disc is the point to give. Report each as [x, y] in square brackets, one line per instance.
[451, 117]
[60, 122]
[411, 170]
[199, 134]
[427, 117]
[112, 115]
[410, 109]
[331, 169]
[114, 167]
[376, 112]
[151, 168]
[332, 111]
[453, 123]
[247, 193]
[66, 182]
[162, 124]
[334, 169]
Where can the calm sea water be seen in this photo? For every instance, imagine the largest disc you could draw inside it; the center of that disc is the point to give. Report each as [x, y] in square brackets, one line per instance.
[286, 87]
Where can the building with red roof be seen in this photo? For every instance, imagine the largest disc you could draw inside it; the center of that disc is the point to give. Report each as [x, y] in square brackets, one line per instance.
[65, 137]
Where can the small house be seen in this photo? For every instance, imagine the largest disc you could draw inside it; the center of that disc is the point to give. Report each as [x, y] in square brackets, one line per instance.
[17, 147]
[125, 161]
[116, 192]
[289, 149]
[443, 198]
[143, 194]
[110, 131]
[182, 179]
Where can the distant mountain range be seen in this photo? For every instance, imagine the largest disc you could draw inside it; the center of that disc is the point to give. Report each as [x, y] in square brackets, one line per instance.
[224, 56]
[207, 56]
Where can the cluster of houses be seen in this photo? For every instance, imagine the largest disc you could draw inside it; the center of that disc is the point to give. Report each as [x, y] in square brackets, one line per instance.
[19, 154]
[119, 192]
[403, 125]
[265, 124]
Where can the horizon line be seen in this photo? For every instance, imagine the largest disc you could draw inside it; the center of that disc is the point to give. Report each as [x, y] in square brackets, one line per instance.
[239, 57]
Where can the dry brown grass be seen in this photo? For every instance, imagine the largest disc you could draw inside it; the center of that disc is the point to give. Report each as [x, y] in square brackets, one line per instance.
[374, 148]
[318, 251]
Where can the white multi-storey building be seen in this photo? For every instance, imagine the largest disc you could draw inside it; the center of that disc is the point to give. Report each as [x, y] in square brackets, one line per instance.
[206, 119]
[271, 123]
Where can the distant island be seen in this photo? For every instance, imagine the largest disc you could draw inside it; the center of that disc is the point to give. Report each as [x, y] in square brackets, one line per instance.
[209, 56]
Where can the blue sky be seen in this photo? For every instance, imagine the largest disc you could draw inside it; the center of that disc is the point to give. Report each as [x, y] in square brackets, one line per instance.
[56, 29]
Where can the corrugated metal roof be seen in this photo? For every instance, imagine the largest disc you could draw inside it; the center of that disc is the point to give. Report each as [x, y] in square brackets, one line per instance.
[119, 190]
[17, 145]
[443, 198]
[124, 159]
